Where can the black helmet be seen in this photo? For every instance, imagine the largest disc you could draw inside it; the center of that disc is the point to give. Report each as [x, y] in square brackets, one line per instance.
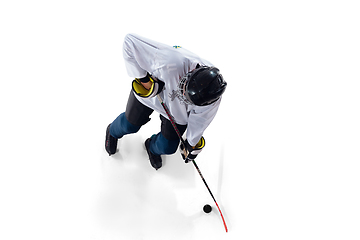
[202, 86]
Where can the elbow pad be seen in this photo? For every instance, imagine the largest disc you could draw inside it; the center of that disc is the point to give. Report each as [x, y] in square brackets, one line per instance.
[140, 90]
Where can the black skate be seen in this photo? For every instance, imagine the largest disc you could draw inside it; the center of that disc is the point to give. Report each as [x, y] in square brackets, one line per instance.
[155, 160]
[110, 142]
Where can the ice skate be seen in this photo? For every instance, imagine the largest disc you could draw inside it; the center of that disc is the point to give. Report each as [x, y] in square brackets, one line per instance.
[110, 142]
[155, 160]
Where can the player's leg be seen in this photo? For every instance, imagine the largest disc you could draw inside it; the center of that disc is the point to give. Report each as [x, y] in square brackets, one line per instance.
[129, 122]
[165, 142]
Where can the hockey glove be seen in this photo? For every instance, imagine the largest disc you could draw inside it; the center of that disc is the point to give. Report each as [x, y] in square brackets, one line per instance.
[188, 152]
[140, 90]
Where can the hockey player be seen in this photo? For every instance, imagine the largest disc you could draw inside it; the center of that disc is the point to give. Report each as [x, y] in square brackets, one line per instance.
[190, 87]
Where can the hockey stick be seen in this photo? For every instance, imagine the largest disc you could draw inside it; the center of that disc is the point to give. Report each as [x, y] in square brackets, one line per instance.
[193, 161]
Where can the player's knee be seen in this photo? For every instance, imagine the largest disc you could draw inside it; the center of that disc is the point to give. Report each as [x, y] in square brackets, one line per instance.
[129, 127]
[121, 126]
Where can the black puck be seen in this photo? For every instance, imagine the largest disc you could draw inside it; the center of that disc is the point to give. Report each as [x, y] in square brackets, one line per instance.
[207, 208]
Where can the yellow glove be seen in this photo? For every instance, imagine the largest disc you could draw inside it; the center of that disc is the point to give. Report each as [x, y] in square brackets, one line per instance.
[188, 152]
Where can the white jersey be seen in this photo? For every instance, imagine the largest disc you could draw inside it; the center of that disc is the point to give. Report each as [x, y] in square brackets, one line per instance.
[168, 64]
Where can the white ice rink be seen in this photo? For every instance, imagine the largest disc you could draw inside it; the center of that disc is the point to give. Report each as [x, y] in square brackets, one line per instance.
[282, 155]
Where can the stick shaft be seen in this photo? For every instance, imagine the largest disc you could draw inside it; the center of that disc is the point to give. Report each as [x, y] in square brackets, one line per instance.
[193, 161]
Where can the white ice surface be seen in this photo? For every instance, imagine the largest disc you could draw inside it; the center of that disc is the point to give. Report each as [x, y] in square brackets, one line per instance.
[282, 155]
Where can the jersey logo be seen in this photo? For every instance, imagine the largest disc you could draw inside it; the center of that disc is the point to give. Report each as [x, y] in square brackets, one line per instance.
[177, 94]
[176, 46]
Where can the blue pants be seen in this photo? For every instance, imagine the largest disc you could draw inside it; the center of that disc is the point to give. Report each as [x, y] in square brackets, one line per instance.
[135, 116]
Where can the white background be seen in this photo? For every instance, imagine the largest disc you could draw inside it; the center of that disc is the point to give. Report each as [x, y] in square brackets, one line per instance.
[282, 155]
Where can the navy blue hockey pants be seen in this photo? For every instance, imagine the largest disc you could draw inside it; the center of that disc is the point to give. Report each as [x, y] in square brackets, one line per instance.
[135, 116]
